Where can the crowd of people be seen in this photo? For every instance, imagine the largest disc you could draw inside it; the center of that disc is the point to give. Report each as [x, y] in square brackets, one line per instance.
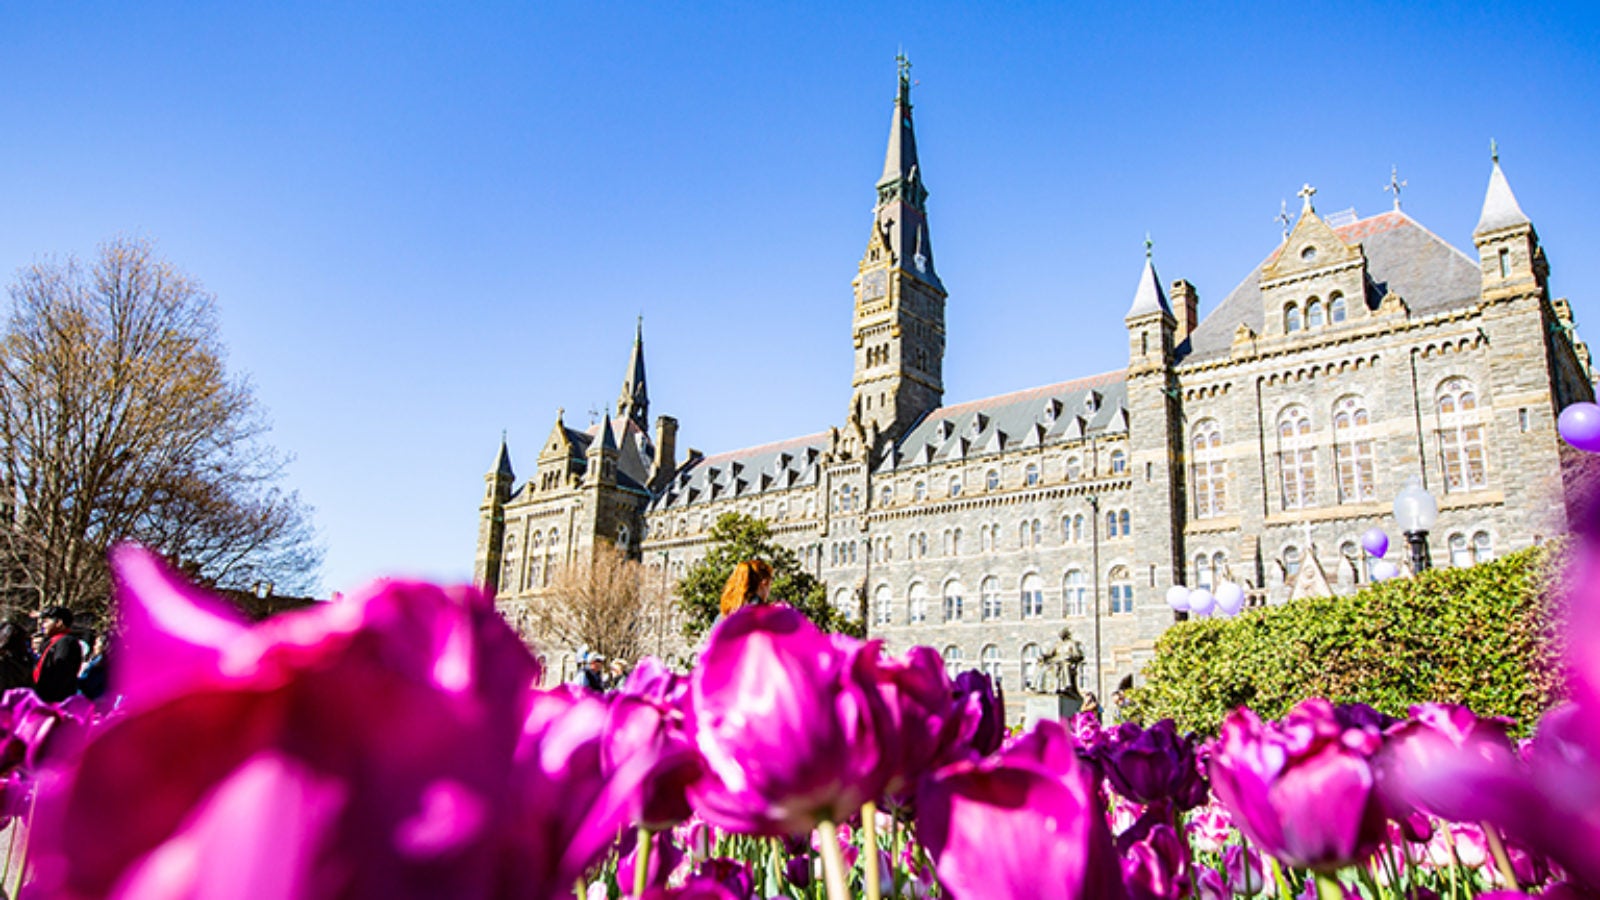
[51, 658]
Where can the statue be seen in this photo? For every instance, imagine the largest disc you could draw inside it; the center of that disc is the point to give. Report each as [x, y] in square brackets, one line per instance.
[1059, 667]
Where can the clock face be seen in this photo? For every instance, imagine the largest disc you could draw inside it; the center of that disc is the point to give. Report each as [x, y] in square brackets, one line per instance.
[874, 285]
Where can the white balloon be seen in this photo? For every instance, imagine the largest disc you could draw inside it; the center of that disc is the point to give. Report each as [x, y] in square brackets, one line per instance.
[1383, 570]
[1201, 602]
[1178, 597]
[1230, 598]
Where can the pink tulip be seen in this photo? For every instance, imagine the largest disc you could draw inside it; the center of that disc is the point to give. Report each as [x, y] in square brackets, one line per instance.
[387, 744]
[1024, 823]
[790, 722]
[931, 722]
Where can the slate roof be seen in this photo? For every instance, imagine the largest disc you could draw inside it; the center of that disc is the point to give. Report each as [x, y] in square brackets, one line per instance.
[741, 473]
[1402, 257]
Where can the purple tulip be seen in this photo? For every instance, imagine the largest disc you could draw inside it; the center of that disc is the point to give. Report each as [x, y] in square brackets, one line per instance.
[1247, 876]
[642, 733]
[932, 723]
[991, 730]
[665, 857]
[1024, 822]
[1208, 885]
[1153, 765]
[1155, 866]
[386, 744]
[790, 722]
[1301, 789]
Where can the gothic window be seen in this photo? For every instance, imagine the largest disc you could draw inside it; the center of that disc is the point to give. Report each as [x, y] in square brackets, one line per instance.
[1032, 596]
[1296, 458]
[1352, 561]
[917, 605]
[1505, 263]
[783, 510]
[953, 593]
[1202, 571]
[1035, 533]
[922, 544]
[1291, 318]
[623, 536]
[985, 539]
[1030, 667]
[1291, 562]
[1121, 590]
[1352, 451]
[1119, 462]
[955, 543]
[1314, 313]
[1075, 593]
[952, 660]
[919, 491]
[949, 542]
[886, 495]
[990, 589]
[1219, 565]
[1460, 553]
[882, 606]
[991, 480]
[1336, 308]
[1030, 475]
[1482, 547]
[1074, 468]
[990, 663]
[955, 485]
[1461, 453]
[1210, 471]
[847, 500]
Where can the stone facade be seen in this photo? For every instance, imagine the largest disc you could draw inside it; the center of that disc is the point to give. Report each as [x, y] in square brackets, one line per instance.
[1254, 446]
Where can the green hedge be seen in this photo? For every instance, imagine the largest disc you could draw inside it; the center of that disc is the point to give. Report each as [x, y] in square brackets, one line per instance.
[1476, 636]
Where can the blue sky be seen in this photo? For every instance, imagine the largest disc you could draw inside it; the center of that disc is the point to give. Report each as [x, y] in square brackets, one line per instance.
[426, 223]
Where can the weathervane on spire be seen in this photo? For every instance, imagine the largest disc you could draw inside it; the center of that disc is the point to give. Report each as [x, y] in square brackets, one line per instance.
[1148, 245]
[1494, 151]
[1282, 218]
[902, 63]
[1394, 185]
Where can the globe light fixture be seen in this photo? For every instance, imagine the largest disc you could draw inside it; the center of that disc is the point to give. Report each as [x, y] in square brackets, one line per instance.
[1416, 510]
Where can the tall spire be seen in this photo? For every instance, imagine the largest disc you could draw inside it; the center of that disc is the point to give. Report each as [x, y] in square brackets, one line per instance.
[902, 198]
[1500, 208]
[634, 403]
[1149, 298]
[502, 460]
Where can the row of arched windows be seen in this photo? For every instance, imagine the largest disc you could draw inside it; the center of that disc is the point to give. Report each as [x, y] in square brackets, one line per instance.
[1314, 314]
[1031, 598]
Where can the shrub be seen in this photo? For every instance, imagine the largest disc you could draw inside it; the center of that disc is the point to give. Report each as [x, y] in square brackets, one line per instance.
[1477, 636]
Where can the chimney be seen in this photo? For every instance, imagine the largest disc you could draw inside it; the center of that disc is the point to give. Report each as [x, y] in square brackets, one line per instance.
[1186, 303]
[664, 465]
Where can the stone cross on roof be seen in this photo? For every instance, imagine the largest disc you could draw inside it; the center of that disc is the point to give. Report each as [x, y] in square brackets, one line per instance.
[1305, 193]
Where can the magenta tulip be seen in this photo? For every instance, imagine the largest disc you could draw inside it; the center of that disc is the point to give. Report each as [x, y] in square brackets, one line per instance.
[1155, 867]
[1302, 789]
[1023, 823]
[991, 731]
[790, 722]
[1153, 765]
[386, 744]
[931, 723]
[642, 733]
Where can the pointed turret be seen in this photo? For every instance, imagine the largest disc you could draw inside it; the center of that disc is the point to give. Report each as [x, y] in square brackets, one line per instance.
[634, 403]
[1149, 298]
[902, 198]
[602, 455]
[1500, 208]
[492, 521]
[502, 460]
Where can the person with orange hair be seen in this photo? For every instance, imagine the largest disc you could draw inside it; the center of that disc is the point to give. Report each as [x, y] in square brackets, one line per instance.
[750, 584]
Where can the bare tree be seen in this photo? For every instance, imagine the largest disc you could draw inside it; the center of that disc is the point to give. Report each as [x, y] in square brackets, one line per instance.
[119, 421]
[601, 603]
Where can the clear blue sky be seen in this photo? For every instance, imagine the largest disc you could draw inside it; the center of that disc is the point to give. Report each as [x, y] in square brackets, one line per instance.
[426, 223]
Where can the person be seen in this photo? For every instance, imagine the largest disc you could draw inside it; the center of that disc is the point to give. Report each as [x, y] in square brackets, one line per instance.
[1091, 704]
[16, 657]
[55, 677]
[619, 675]
[593, 676]
[92, 680]
[750, 584]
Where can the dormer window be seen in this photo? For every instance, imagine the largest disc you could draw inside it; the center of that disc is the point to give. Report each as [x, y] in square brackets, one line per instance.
[978, 423]
[1291, 318]
[1052, 408]
[1091, 403]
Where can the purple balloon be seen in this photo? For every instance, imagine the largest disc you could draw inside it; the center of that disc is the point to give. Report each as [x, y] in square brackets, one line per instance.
[1230, 599]
[1375, 542]
[1580, 426]
[1202, 602]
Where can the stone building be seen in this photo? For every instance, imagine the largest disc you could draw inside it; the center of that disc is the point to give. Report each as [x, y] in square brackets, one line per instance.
[1254, 445]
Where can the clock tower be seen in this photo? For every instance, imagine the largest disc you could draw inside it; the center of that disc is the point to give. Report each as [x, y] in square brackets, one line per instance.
[898, 328]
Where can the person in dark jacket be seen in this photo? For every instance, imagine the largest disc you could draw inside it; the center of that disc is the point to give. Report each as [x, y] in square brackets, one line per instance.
[593, 676]
[16, 657]
[92, 680]
[55, 678]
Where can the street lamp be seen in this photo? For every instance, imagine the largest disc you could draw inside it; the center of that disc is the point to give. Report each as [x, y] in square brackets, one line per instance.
[1416, 510]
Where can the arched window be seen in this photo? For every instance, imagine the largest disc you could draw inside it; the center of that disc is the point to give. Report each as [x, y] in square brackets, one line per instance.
[985, 539]
[623, 536]
[949, 542]
[845, 602]
[1482, 547]
[952, 660]
[1210, 471]
[1460, 553]
[1461, 454]
[953, 592]
[955, 543]
[1122, 519]
[1074, 468]
[1291, 318]
[955, 485]
[1296, 458]
[991, 663]
[1352, 561]
[1121, 590]
[1036, 532]
[1030, 475]
[882, 606]
[886, 496]
[1352, 451]
[1202, 571]
[991, 480]
[1119, 462]
[1291, 562]
[1336, 308]
[990, 589]
[1219, 565]
[1077, 528]
[1030, 667]
[1032, 596]
[811, 508]
[847, 498]
[917, 604]
[922, 544]
[1314, 313]
[1075, 593]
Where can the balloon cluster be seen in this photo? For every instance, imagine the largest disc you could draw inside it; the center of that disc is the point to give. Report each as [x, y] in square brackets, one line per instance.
[1226, 601]
[1375, 542]
[1579, 425]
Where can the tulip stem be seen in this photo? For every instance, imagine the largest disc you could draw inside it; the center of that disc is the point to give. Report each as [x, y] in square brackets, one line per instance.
[833, 863]
[894, 854]
[1278, 876]
[869, 825]
[1328, 887]
[1501, 858]
[641, 860]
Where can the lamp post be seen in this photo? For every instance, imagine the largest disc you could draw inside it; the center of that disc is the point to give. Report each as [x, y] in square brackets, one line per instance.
[1415, 510]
